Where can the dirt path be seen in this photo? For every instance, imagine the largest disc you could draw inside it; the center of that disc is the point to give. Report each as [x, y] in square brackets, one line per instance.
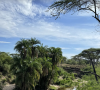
[9, 87]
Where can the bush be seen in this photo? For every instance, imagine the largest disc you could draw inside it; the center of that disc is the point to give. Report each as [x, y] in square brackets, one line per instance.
[4, 80]
[52, 88]
[64, 81]
[1, 85]
[12, 82]
[91, 85]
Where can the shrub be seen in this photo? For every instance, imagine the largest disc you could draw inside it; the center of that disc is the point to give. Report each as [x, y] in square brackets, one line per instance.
[1, 85]
[52, 88]
[4, 80]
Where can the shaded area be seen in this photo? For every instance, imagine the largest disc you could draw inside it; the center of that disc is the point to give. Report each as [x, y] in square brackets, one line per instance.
[9, 87]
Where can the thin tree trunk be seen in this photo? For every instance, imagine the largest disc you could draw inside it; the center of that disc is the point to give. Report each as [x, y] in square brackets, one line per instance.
[94, 71]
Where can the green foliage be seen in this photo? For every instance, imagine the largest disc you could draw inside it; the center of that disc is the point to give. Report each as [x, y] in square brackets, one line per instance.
[34, 66]
[91, 85]
[71, 61]
[64, 59]
[74, 61]
[27, 71]
[66, 79]
[61, 71]
[4, 80]
[1, 85]
[52, 88]
[87, 68]
[5, 62]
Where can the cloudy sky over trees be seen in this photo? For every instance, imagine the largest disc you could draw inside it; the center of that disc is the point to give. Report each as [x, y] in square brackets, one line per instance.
[73, 32]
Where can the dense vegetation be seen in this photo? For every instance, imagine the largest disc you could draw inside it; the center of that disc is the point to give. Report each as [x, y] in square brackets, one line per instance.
[5, 75]
[38, 67]
[34, 67]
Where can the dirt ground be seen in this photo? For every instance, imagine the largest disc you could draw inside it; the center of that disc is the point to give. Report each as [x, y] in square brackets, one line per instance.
[9, 87]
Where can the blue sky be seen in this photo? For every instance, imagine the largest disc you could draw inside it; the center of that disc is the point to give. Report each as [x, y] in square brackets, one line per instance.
[28, 18]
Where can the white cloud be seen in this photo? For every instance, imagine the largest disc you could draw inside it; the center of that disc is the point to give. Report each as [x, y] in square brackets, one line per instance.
[90, 24]
[22, 18]
[79, 49]
[54, 32]
[64, 48]
[85, 13]
[69, 55]
[88, 12]
[14, 12]
[17, 12]
[4, 42]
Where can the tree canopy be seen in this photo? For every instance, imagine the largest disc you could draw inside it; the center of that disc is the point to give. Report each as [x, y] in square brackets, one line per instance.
[65, 6]
[92, 55]
[35, 66]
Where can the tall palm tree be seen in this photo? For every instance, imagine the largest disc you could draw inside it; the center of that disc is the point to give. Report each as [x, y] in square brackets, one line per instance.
[33, 45]
[46, 69]
[27, 73]
[27, 68]
[22, 47]
[43, 51]
[56, 55]
[28, 46]
[49, 68]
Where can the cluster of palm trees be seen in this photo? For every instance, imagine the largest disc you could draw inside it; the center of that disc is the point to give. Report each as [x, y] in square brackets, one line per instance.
[35, 64]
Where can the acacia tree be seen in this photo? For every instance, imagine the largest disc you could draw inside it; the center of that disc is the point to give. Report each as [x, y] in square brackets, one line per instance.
[64, 59]
[91, 54]
[80, 59]
[65, 6]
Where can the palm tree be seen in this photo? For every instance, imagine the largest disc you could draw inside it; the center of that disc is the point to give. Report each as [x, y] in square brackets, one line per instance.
[27, 68]
[27, 73]
[56, 55]
[28, 46]
[21, 47]
[43, 51]
[46, 68]
[49, 67]
[33, 46]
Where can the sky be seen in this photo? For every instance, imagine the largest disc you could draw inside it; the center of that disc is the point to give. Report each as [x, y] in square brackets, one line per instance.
[72, 32]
